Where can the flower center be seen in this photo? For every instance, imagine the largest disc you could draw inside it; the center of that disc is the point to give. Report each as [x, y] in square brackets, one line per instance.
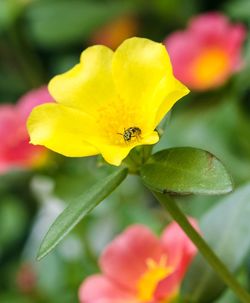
[120, 124]
[211, 68]
[149, 280]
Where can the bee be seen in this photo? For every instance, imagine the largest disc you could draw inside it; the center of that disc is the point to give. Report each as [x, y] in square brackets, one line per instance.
[131, 132]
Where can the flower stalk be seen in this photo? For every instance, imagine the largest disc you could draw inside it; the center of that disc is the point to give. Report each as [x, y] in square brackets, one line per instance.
[170, 205]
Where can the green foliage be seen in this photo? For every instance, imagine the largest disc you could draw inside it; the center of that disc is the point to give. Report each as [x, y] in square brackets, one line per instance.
[9, 11]
[239, 9]
[226, 228]
[78, 209]
[12, 221]
[61, 23]
[186, 170]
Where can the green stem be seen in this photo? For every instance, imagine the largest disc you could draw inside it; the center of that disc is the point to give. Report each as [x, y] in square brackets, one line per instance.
[173, 209]
[89, 251]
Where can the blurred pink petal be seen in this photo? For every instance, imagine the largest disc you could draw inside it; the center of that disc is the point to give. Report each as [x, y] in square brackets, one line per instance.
[15, 150]
[168, 288]
[9, 122]
[234, 45]
[180, 251]
[33, 98]
[127, 255]
[206, 54]
[204, 25]
[99, 289]
[179, 248]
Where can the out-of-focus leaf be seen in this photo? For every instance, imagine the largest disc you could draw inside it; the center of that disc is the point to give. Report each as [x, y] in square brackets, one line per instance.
[77, 210]
[9, 11]
[186, 170]
[242, 78]
[76, 175]
[59, 23]
[14, 298]
[52, 275]
[175, 12]
[12, 85]
[12, 220]
[239, 9]
[226, 228]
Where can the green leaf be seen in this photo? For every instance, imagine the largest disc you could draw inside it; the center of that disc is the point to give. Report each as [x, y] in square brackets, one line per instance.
[210, 123]
[60, 23]
[226, 228]
[77, 210]
[186, 170]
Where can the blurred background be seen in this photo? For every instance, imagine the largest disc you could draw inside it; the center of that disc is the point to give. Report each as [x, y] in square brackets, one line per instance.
[41, 38]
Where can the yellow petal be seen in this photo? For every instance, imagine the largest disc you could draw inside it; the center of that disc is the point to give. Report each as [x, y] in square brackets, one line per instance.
[114, 154]
[87, 84]
[61, 129]
[105, 96]
[138, 67]
[168, 93]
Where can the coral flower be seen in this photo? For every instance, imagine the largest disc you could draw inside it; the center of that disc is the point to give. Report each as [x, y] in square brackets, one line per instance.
[15, 150]
[113, 33]
[208, 52]
[108, 103]
[137, 267]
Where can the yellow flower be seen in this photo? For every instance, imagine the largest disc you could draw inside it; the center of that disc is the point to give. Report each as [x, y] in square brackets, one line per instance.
[108, 103]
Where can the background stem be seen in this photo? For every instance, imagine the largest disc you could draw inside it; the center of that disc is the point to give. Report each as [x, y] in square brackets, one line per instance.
[28, 62]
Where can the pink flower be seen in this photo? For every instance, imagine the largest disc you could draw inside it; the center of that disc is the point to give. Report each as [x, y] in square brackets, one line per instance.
[137, 267]
[206, 54]
[15, 150]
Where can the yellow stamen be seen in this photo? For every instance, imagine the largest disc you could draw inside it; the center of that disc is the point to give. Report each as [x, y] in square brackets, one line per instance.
[149, 280]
